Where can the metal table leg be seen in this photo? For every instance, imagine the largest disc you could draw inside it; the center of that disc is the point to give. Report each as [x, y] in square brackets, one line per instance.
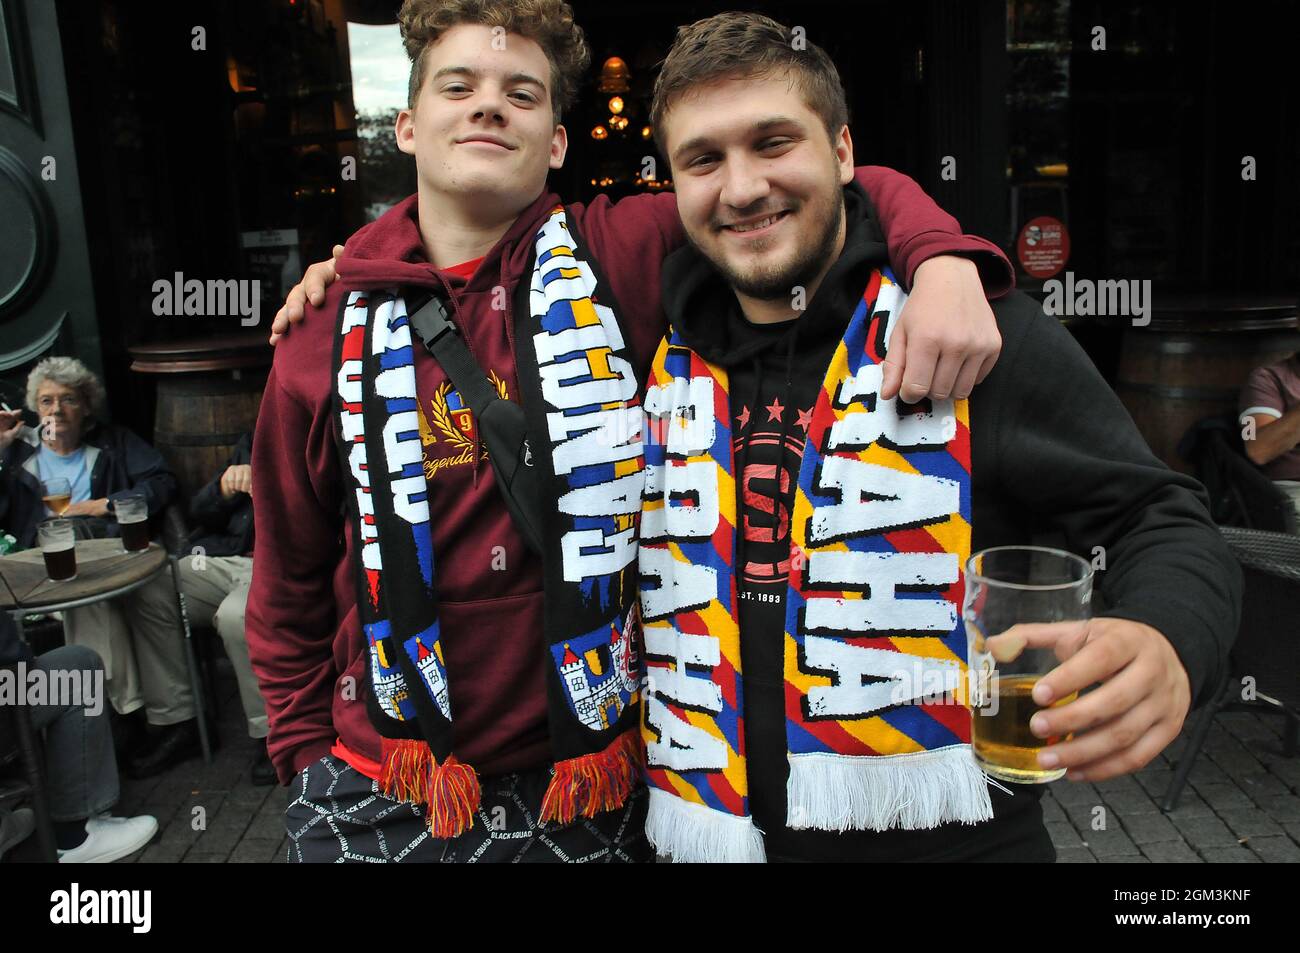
[191, 661]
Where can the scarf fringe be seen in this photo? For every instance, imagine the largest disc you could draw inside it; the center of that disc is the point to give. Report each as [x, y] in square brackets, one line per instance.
[694, 834]
[912, 791]
[596, 782]
[449, 791]
[454, 795]
[403, 765]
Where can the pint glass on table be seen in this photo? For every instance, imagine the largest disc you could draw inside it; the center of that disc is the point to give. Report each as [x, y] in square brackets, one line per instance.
[59, 547]
[1007, 586]
[133, 517]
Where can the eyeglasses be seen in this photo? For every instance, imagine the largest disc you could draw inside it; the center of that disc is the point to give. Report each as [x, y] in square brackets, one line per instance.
[48, 403]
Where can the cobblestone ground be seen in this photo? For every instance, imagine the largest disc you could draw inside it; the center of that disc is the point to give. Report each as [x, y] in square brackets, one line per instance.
[1241, 805]
[212, 813]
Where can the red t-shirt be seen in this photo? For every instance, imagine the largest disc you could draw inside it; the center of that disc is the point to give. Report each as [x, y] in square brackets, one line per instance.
[1271, 391]
[466, 269]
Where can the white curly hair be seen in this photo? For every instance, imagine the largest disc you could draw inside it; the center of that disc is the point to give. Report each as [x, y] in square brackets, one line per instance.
[69, 372]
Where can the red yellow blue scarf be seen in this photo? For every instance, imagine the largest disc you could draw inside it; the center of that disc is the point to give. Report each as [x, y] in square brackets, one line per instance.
[877, 721]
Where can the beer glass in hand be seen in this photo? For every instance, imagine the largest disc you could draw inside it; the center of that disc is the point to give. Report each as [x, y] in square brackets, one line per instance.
[1006, 586]
[59, 547]
[57, 495]
[132, 514]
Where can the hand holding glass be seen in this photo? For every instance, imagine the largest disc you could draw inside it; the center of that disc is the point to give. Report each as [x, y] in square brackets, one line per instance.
[1007, 586]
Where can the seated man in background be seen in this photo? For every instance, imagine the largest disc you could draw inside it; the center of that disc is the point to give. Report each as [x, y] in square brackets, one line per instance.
[80, 770]
[215, 578]
[137, 635]
[1271, 399]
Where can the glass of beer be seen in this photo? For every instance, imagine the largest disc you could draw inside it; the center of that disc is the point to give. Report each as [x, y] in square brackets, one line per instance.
[1007, 586]
[133, 517]
[59, 547]
[57, 495]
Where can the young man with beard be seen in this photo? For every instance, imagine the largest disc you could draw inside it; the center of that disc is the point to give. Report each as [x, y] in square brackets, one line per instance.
[804, 535]
[441, 692]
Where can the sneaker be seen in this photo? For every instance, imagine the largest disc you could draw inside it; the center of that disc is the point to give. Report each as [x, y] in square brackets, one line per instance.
[111, 838]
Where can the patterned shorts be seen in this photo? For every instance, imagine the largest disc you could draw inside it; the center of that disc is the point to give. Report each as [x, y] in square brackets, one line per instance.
[339, 816]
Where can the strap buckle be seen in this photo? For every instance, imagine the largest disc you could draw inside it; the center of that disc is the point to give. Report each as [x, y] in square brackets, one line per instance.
[431, 322]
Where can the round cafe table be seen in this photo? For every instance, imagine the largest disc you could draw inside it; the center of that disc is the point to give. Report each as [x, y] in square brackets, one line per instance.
[104, 571]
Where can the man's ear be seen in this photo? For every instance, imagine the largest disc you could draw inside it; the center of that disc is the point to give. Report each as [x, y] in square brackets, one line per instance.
[404, 131]
[559, 146]
[844, 155]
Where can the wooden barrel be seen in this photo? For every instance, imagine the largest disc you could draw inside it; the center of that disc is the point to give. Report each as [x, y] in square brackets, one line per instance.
[209, 391]
[1192, 359]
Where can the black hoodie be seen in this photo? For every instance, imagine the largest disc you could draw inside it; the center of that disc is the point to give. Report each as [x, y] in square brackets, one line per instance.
[1055, 460]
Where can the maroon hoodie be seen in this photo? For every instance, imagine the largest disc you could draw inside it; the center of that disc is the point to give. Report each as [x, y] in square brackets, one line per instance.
[304, 637]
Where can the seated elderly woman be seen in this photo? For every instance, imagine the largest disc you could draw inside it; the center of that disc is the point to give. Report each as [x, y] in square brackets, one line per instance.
[137, 635]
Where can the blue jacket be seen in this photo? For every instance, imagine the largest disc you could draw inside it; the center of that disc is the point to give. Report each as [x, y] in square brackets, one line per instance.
[119, 463]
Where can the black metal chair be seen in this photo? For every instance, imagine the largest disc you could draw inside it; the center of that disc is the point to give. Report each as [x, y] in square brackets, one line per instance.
[19, 741]
[1267, 649]
[1240, 494]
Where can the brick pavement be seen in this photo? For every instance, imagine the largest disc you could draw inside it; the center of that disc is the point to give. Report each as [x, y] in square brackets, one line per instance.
[1241, 804]
[212, 813]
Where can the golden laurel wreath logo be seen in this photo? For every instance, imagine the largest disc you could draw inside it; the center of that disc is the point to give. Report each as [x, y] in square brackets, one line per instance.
[441, 415]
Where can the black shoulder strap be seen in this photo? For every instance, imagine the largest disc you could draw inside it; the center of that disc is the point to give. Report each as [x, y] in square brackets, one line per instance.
[501, 423]
[443, 341]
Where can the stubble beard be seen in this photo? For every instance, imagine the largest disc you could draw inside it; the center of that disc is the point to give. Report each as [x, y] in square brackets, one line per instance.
[779, 281]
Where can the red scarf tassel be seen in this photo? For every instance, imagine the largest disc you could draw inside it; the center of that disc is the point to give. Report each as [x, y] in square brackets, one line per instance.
[595, 782]
[450, 791]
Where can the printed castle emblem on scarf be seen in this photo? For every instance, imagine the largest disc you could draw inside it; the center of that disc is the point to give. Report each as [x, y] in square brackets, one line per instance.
[390, 689]
[389, 686]
[428, 662]
[450, 427]
[599, 672]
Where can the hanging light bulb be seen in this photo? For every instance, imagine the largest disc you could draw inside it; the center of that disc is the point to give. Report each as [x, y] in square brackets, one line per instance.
[616, 105]
[600, 132]
[614, 76]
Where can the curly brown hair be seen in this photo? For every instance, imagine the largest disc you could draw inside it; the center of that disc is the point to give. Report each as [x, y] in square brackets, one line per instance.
[747, 45]
[548, 23]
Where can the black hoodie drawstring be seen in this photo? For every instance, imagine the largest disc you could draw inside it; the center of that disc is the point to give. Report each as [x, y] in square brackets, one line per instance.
[743, 461]
[778, 497]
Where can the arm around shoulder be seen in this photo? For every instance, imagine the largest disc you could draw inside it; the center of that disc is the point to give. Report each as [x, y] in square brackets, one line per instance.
[917, 230]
